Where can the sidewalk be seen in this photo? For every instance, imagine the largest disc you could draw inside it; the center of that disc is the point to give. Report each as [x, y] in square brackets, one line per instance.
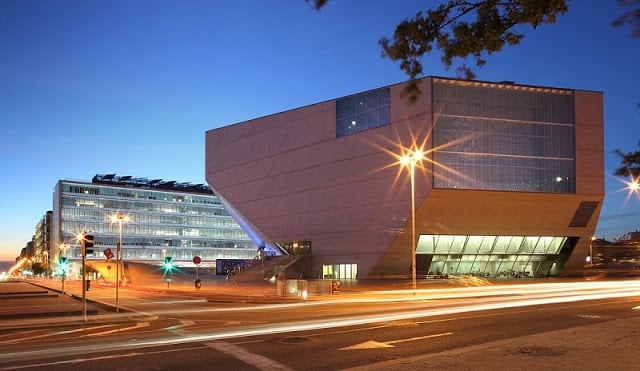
[21, 300]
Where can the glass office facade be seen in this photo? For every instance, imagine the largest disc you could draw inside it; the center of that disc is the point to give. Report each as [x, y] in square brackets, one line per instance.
[503, 137]
[490, 256]
[162, 222]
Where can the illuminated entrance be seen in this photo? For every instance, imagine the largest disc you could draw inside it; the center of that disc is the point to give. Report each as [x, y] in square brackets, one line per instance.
[490, 256]
[340, 271]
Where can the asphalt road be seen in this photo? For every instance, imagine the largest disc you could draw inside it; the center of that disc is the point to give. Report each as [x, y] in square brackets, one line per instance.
[162, 331]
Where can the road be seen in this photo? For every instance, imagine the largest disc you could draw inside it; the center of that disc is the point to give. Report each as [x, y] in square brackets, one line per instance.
[170, 331]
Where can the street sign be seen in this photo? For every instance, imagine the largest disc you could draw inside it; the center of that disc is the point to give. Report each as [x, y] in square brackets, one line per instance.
[197, 260]
[108, 253]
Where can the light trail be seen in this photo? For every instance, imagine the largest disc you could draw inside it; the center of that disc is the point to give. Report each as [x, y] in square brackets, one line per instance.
[587, 291]
[16, 266]
[374, 297]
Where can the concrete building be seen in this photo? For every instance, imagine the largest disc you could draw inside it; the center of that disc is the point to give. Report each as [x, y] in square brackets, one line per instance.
[511, 185]
[165, 219]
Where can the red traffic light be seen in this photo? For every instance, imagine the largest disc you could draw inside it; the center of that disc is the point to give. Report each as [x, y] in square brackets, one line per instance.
[88, 241]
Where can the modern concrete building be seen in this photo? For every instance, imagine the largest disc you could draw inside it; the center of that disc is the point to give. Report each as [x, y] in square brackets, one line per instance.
[511, 186]
[165, 218]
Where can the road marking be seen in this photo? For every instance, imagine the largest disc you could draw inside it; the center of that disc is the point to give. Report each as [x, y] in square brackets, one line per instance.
[589, 316]
[372, 344]
[184, 323]
[637, 308]
[256, 360]
[136, 326]
[53, 334]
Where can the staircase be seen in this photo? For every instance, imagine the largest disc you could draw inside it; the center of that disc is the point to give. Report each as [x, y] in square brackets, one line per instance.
[273, 265]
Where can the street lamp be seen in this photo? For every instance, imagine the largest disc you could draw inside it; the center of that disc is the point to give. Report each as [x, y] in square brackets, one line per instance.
[409, 160]
[634, 185]
[118, 218]
[593, 238]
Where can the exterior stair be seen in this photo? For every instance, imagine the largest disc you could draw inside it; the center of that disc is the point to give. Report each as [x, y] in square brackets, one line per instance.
[273, 265]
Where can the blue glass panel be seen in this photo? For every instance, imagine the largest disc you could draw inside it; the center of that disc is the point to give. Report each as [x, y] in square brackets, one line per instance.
[362, 111]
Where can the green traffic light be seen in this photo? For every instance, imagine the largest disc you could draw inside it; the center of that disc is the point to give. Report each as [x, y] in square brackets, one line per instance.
[168, 265]
[63, 265]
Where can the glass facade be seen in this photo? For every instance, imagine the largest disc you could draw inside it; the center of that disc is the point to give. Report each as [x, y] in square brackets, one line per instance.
[503, 137]
[362, 111]
[161, 223]
[491, 256]
[340, 271]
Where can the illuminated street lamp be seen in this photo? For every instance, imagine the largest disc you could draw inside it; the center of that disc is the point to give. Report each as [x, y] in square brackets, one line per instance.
[120, 219]
[634, 186]
[409, 160]
[593, 238]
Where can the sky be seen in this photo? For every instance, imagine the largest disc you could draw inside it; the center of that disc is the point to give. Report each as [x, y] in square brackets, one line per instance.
[131, 86]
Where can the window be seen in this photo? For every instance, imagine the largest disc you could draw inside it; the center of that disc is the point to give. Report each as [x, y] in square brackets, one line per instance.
[340, 271]
[491, 256]
[362, 111]
[503, 137]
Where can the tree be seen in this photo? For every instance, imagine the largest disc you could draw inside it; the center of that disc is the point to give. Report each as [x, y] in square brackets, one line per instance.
[629, 161]
[630, 164]
[631, 17]
[463, 29]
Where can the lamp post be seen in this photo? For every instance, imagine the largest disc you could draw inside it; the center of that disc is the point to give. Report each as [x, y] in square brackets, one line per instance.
[118, 218]
[410, 159]
[83, 252]
[593, 238]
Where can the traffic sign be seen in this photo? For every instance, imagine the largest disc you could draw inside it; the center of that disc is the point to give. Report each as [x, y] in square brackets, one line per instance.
[197, 260]
[108, 253]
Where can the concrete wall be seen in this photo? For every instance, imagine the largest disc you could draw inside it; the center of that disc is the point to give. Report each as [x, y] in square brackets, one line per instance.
[291, 177]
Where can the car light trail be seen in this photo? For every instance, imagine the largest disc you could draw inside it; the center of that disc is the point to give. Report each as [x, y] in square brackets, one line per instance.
[573, 293]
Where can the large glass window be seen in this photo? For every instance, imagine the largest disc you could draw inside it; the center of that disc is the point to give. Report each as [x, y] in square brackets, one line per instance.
[362, 111]
[490, 256]
[487, 245]
[340, 271]
[503, 137]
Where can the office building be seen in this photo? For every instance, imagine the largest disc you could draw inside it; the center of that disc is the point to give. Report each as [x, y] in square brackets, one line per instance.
[164, 219]
[42, 241]
[511, 183]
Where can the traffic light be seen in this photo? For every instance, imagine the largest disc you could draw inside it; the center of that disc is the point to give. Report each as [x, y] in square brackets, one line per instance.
[168, 263]
[88, 244]
[62, 264]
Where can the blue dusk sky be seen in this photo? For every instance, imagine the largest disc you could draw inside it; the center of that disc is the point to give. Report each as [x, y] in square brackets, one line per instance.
[130, 87]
